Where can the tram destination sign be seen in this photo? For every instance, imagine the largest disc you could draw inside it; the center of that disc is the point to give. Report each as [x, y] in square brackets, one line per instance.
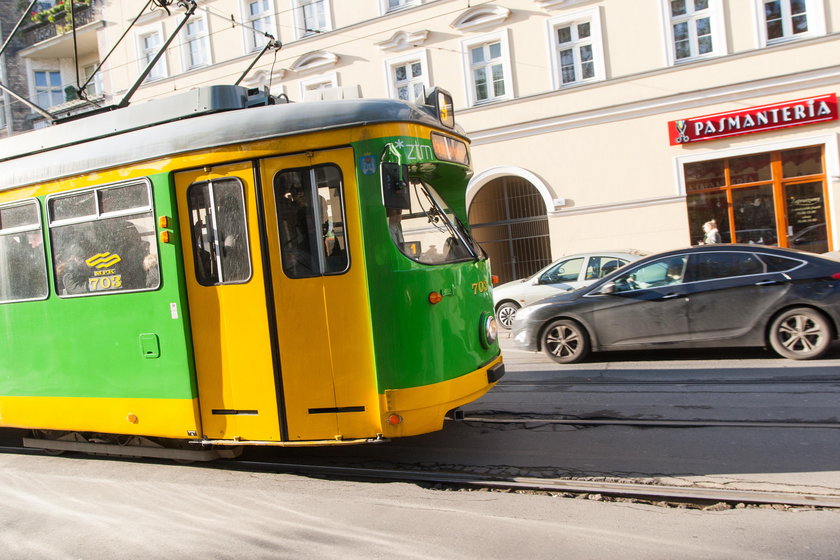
[810, 110]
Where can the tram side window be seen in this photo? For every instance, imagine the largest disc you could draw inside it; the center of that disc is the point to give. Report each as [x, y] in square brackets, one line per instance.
[310, 216]
[219, 232]
[23, 265]
[104, 240]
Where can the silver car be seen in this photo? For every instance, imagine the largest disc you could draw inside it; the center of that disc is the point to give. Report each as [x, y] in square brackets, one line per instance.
[563, 275]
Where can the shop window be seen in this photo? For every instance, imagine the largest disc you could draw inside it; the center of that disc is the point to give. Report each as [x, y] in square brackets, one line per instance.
[773, 198]
[23, 266]
[802, 162]
[219, 232]
[104, 241]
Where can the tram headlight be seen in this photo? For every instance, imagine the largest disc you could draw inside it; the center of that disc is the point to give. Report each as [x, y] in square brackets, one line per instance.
[488, 331]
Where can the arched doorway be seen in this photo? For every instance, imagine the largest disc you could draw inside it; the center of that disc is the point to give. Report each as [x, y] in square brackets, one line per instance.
[508, 218]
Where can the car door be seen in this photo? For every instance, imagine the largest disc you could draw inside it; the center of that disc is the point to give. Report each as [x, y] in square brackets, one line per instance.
[731, 294]
[648, 306]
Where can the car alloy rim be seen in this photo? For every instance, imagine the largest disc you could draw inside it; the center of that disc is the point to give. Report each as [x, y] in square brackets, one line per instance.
[563, 341]
[506, 315]
[800, 334]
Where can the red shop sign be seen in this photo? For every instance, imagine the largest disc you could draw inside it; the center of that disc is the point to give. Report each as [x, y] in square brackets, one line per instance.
[810, 110]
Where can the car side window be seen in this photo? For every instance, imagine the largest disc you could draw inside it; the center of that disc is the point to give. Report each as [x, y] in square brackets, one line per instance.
[662, 272]
[711, 266]
[779, 264]
[599, 267]
[564, 271]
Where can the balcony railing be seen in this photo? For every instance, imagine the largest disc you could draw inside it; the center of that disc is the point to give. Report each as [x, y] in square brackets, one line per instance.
[38, 32]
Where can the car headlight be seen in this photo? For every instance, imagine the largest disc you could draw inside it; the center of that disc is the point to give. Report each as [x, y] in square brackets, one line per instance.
[487, 330]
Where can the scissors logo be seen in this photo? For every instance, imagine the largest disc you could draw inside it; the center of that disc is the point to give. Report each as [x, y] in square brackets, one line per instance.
[682, 137]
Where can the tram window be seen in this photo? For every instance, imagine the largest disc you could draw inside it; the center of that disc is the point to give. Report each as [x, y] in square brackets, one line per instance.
[75, 206]
[23, 266]
[104, 241]
[428, 231]
[310, 215]
[219, 232]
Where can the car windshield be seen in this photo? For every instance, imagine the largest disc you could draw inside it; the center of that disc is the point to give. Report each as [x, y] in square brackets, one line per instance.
[429, 232]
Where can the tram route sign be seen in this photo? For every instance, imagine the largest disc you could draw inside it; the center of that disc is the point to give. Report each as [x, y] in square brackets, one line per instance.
[810, 110]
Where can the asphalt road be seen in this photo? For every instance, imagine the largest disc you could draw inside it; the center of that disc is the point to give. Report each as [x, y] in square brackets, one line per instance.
[79, 507]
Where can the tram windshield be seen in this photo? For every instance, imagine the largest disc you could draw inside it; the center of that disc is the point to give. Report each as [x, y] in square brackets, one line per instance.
[428, 231]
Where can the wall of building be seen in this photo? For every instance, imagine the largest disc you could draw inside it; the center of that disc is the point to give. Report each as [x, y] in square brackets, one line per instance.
[597, 149]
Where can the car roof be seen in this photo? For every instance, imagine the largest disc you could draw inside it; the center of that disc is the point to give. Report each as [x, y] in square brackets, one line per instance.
[734, 247]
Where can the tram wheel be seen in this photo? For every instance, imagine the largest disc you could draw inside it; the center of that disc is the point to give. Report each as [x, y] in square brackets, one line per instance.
[800, 334]
[565, 341]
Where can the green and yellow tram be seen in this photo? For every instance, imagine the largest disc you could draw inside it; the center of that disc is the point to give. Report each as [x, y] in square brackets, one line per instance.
[200, 269]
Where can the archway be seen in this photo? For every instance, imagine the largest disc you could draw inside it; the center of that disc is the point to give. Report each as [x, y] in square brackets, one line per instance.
[508, 214]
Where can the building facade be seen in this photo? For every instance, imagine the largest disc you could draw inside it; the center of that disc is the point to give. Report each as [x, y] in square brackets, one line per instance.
[596, 124]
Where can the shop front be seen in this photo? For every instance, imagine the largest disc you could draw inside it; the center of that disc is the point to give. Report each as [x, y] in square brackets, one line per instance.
[768, 196]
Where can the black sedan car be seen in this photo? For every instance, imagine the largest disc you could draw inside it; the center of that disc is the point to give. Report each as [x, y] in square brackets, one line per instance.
[706, 296]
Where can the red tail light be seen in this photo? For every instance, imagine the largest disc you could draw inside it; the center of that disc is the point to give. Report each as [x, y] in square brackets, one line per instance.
[836, 275]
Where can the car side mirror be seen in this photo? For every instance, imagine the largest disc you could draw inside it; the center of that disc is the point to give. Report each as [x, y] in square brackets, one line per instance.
[607, 289]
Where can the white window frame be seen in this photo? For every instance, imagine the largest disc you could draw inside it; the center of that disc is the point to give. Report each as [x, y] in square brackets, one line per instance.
[385, 9]
[160, 70]
[593, 16]
[301, 30]
[421, 56]
[716, 20]
[329, 80]
[202, 38]
[49, 90]
[815, 11]
[94, 88]
[254, 40]
[502, 37]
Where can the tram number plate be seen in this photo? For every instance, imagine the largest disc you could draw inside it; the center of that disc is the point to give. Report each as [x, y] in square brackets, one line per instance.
[102, 283]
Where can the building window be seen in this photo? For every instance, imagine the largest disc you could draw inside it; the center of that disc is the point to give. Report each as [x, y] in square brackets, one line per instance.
[94, 88]
[784, 20]
[695, 29]
[312, 89]
[196, 45]
[408, 76]
[772, 198]
[392, 5]
[260, 21]
[150, 44]
[488, 69]
[48, 90]
[577, 51]
[311, 17]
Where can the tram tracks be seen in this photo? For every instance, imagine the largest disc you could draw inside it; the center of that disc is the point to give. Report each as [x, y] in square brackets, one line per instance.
[491, 418]
[652, 492]
[647, 491]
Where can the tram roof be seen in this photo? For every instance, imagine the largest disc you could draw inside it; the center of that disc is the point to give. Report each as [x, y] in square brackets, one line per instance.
[204, 118]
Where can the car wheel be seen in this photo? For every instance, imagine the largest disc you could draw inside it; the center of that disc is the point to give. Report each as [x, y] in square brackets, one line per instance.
[505, 314]
[565, 342]
[800, 334]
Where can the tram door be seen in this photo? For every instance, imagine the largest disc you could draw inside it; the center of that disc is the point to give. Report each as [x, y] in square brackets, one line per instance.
[320, 295]
[227, 304]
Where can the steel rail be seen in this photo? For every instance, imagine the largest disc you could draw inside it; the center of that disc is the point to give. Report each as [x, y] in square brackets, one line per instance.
[653, 492]
[564, 383]
[652, 423]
